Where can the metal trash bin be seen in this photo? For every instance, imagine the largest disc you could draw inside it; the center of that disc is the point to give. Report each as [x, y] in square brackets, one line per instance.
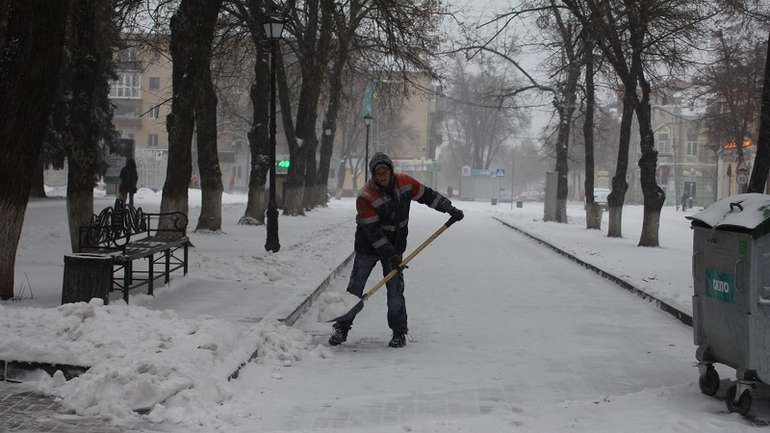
[731, 300]
[519, 204]
[86, 276]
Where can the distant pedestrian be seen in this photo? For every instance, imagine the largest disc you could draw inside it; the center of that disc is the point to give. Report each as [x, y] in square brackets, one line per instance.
[128, 181]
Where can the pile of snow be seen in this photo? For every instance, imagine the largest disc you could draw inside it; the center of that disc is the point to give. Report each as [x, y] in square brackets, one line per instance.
[333, 304]
[61, 191]
[145, 196]
[140, 359]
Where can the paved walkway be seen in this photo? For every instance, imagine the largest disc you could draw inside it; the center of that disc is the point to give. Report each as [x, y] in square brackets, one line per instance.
[502, 333]
[22, 410]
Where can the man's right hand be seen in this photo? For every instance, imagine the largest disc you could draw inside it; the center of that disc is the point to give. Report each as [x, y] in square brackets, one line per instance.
[395, 261]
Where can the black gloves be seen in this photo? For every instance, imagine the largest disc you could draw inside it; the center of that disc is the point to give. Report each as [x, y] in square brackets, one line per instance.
[455, 213]
[395, 262]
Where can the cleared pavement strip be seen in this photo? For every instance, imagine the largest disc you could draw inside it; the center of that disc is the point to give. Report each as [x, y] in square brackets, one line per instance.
[663, 305]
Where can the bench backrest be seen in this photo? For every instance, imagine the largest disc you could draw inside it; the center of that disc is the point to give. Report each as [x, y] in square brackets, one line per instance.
[113, 227]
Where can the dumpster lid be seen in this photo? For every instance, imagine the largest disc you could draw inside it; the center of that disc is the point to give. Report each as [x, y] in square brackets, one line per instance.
[741, 212]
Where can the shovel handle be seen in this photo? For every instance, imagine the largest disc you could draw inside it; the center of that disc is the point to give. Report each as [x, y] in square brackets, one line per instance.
[409, 258]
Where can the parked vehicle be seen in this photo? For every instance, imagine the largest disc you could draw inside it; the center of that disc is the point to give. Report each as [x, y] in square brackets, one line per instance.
[600, 196]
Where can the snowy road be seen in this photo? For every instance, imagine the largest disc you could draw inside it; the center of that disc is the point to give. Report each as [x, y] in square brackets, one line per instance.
[505, 336]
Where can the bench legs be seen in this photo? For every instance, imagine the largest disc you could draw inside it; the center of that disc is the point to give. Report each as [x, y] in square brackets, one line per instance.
[127, 279]
[168, 264]
[184, 265]
[150, 274]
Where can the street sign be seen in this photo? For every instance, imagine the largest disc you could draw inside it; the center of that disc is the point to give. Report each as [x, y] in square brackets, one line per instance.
[500, 173]
[742, 175]
[366, 105]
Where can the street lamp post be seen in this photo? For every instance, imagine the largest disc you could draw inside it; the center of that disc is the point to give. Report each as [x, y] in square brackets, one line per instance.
[273, 29]
[368, 122]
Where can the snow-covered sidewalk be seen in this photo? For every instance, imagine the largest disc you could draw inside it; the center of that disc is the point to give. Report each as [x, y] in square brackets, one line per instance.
[173, 352]
[664, 272]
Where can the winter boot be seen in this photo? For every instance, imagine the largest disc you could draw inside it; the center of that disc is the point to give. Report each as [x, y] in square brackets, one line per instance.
[398, 340]
[339, 336]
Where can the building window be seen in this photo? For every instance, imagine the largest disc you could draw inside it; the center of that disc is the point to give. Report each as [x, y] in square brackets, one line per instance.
[155, 112]
[152, 140]
[154, 83]
[692, 148]
[128, 85]
[664, 144]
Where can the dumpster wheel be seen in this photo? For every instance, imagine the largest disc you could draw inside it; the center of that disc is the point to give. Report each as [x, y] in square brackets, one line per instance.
[743, 405]
[709, 382]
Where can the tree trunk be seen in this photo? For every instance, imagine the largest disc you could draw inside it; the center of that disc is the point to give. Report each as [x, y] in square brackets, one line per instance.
[341, 172]
[617, 195]
[654, 196]
[208, 160]
[180, 122]
[332, 110]
[32, 44]
[192, 31]
[593, 211]
[762, 157]
[80, 201]
[89, 65]
[354, 175]
[566, 111]
[258, 136]
[307, 115]
[38, 180]
[294, 188]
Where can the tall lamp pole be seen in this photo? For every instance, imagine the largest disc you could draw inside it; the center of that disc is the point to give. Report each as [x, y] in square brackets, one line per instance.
[368, 122]
[273, 30]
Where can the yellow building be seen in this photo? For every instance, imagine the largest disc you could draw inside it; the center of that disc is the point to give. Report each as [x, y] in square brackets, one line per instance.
[141, 95]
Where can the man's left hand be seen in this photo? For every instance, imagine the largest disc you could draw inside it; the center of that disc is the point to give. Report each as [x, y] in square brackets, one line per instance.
[456, 214]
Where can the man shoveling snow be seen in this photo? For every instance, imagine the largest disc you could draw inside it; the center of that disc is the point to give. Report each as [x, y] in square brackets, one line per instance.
[381, 234]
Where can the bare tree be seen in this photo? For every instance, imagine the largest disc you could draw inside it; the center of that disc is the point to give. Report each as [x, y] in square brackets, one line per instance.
[759, 12]
[733, 83]
[478, 119]
[634, 36]
[32, 40]
[91, 39]
[253, 13]
[593, 210]
[192, 33]
[565, 97]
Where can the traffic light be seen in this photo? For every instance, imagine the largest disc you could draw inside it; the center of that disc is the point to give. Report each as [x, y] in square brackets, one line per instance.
[284, 163]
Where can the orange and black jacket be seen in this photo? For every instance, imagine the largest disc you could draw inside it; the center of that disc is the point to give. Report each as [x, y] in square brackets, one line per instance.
[383, 214]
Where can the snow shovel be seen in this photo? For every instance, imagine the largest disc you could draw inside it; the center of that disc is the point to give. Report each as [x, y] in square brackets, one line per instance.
[360, 305]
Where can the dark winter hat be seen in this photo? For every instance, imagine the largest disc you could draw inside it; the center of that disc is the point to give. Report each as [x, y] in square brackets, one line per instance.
[379, 159]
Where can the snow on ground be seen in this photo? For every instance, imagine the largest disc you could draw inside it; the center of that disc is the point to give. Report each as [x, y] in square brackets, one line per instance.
[171, 353]
[505, 335]
[142, 359]
[664, 272]
[227, 268]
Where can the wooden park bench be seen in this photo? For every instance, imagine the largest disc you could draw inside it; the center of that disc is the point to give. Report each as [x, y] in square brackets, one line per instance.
[127, 234]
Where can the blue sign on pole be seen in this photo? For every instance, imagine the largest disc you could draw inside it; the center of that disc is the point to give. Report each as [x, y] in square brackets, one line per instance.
[366, 106]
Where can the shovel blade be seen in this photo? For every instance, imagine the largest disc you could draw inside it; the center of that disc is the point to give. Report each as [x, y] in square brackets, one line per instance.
[350, 315]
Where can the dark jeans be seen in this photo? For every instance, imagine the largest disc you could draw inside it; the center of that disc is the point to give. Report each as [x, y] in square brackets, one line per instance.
[362, 268]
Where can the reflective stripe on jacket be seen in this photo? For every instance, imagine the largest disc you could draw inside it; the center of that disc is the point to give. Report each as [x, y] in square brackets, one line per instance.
[382, 221]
